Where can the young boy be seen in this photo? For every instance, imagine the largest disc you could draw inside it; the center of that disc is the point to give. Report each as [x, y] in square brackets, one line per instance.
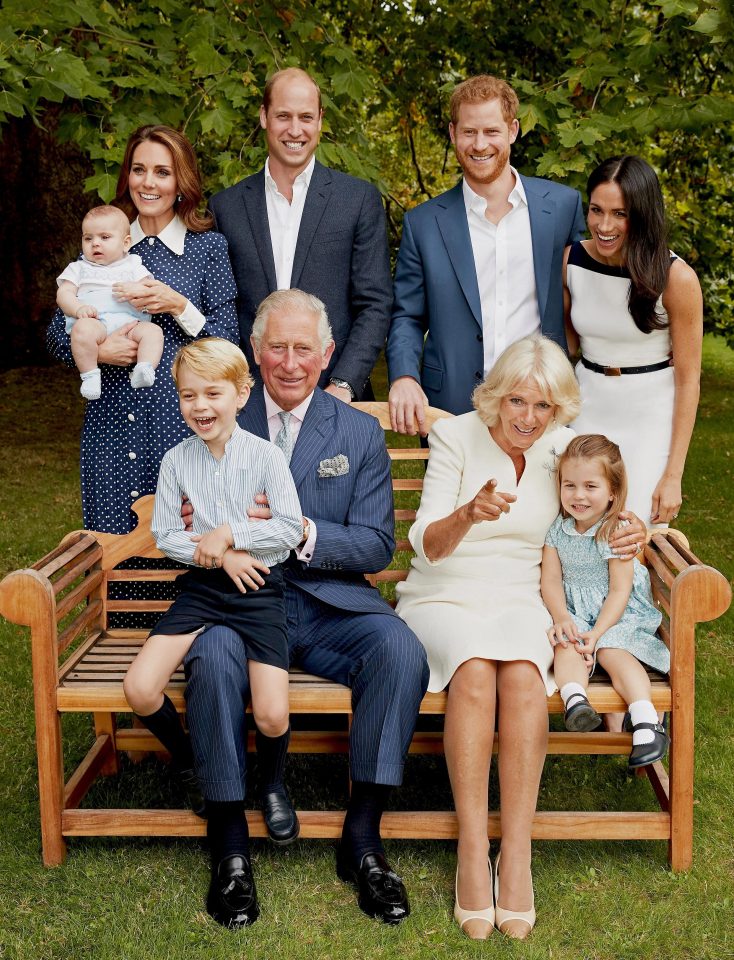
[85, 296]
[237, 577]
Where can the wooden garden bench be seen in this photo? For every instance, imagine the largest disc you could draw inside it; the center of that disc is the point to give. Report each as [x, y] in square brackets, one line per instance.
[79, 663]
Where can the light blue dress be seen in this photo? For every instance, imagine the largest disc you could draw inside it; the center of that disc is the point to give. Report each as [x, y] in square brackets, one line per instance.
[585, 565]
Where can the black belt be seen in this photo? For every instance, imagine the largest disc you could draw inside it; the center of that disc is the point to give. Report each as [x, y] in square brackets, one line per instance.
[618, 371]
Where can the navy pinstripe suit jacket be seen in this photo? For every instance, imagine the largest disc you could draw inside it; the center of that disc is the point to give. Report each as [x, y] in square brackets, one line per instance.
[353, 512]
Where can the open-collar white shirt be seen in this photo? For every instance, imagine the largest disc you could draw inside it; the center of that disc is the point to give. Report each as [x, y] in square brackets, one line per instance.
[503, 260]
[284, 220]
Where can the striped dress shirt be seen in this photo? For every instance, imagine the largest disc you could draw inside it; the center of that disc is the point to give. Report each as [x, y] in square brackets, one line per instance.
[222, 491]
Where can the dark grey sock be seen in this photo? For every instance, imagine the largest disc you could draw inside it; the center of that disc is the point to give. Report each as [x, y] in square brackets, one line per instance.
[361, 832]
[226, 829]
[271, 756]
[165, 724]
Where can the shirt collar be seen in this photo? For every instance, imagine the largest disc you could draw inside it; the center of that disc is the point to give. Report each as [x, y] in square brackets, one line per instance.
[115, 263]
[236, 437]
[303, 177]
[473, 202]
[172, 235]
[569, 527]
[272, 409]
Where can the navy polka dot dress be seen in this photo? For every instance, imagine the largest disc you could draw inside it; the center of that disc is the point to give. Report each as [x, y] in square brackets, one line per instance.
[126, 432]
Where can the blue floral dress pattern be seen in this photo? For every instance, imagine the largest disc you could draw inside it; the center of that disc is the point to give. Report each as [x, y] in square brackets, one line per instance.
[126, 432]
[585, 565]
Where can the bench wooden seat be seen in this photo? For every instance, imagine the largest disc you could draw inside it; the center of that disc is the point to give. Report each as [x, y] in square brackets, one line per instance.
[79, 662]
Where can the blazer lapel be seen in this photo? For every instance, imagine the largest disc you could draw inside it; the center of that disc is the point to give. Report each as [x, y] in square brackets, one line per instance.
[257, 212]
[318, 425]
[253, 417]
[319, 192]
[542, 212]
[454, 228]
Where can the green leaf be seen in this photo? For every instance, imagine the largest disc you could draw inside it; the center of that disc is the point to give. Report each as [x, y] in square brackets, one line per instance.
[103, 183]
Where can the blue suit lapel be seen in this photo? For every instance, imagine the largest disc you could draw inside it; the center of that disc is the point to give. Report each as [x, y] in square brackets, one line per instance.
[454, 228]
[318, 426]
[257, 212]
[253, 418]
[542, 212]
[319, 192]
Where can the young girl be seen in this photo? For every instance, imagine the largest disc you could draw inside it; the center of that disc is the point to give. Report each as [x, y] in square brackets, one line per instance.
[601, 606]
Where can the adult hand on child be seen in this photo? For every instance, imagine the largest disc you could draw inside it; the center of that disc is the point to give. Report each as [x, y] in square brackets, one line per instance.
[150, 296]
[244, 570]
[629, 538]
[212, 546]
[117, 348]
[262, 511]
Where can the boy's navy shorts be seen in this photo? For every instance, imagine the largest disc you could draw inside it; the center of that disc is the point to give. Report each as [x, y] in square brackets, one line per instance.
[210, 598]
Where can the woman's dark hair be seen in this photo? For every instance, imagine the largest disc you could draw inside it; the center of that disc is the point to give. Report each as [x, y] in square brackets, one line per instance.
[185, 169]
[646, 252]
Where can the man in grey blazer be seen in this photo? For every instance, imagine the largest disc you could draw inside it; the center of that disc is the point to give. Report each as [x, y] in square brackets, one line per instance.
[339, 627]
[296, 223]
[479, 267]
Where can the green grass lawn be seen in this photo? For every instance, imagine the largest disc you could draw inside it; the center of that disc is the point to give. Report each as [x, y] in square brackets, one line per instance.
[132, 899]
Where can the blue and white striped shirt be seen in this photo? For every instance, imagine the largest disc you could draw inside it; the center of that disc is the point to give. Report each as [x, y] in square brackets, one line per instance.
[222, 491]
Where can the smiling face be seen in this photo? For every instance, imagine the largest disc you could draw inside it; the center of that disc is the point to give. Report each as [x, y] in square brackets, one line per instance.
[292, 124]
[291, 357]
[585, 491]
[523, 416]
[608, 223]
[209, 407]
[482, 139]
[105, 238]
[152, 185]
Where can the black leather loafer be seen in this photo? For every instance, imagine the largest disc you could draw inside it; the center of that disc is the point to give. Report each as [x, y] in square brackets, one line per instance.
[280, 817]
[381, 891]
[581, 717]
[192, 788]
[232, 898]
[646, 753]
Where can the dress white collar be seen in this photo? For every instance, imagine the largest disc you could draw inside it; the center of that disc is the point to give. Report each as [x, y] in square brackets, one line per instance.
[172, 235]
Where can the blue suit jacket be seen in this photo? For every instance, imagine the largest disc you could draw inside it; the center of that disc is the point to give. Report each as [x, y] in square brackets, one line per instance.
[341, 257]
[353, 512]
[436, 290]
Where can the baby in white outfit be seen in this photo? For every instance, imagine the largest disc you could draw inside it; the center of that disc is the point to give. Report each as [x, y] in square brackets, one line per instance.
[92, 313]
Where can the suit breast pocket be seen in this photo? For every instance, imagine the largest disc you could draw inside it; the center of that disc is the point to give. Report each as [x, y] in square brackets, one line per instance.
[334, 236]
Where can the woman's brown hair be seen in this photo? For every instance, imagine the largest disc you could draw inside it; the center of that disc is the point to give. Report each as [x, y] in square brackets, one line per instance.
[185, 169]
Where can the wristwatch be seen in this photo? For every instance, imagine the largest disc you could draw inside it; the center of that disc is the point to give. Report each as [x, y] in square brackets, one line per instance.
[344, 386]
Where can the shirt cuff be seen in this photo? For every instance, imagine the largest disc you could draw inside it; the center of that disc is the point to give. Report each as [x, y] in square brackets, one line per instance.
[305, 552]
[241, 536]
[191, 320]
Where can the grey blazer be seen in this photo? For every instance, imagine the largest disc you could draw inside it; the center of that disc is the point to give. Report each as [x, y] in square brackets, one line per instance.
[341, 257]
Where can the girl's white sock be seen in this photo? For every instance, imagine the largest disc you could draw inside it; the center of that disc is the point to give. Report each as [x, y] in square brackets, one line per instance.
[642, 711]
[570, 690]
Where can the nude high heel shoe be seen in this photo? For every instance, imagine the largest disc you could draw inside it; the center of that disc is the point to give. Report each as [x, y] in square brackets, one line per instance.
[504, 916]
[464, 916]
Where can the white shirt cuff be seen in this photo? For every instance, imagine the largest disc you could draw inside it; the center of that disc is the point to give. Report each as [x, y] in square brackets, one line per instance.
[305, 552]
[191, 320]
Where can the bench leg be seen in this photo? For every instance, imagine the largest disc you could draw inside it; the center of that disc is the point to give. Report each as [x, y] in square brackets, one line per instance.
[680, 847]
[105, 724]
[50, 784]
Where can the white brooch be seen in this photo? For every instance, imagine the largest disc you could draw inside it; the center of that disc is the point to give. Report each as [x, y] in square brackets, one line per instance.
[552, 465]
[334, 466]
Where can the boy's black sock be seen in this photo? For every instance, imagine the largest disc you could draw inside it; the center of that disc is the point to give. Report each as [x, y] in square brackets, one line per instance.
[165, 723]
[271, 754]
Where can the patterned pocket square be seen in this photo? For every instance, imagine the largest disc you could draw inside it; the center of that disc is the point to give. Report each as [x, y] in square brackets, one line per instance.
[334, 466]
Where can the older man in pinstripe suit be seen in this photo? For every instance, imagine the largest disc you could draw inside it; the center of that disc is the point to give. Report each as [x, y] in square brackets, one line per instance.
[339, 627]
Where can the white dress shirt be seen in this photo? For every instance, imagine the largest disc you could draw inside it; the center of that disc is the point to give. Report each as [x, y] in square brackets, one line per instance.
[503, 259]
[284, 220]
[272, 410]
[173, 235]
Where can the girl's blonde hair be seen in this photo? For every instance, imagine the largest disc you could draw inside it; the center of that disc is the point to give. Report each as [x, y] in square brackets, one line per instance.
[593, 446]
[215, 359]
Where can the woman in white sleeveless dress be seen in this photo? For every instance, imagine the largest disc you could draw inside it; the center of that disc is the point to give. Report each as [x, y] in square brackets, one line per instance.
[636, 311]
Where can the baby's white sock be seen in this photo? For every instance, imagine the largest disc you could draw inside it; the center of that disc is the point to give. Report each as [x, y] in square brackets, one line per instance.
[143, 375]
[642, 711]
[571, 690]
[91, 388]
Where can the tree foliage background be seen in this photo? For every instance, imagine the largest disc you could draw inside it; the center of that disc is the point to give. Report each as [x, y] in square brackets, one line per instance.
[595, 78]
